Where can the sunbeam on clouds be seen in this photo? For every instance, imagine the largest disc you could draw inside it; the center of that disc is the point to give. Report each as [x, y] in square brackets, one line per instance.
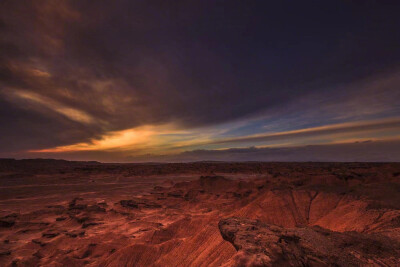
[71, 113]
[118, 80]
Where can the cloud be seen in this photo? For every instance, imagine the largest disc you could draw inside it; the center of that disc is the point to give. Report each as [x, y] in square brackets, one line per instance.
[368, 151]
[71, 113]
[78, 75]
[171, 142]
[136, 139]
[335, 130]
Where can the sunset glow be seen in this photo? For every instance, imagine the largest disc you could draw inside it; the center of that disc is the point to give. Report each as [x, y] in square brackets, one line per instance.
[154, 133]
[131, 81]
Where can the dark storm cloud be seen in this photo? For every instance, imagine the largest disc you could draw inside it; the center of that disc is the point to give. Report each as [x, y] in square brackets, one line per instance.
[73, 70]
[20, 129]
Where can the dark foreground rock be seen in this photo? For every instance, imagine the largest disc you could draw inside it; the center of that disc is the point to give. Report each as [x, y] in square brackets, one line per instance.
[261, 244]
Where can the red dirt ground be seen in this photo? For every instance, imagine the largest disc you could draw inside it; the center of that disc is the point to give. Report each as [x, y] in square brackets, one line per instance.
[59, 213]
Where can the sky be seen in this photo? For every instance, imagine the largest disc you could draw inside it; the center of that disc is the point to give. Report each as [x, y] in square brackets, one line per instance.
[133, 80]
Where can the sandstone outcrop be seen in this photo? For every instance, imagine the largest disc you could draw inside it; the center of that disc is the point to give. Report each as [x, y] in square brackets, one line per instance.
[261, 244]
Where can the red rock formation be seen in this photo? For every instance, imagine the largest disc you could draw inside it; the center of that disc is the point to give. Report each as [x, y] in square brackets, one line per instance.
[262, 244]
[131, 217]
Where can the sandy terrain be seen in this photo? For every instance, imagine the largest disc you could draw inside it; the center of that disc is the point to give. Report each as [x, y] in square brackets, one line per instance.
[58, 213]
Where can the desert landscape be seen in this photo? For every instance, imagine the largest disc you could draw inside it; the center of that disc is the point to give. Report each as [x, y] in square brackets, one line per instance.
[199, 133]
[62, 213]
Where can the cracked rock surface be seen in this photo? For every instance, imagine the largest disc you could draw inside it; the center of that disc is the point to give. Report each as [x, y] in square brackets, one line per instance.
[262, 244]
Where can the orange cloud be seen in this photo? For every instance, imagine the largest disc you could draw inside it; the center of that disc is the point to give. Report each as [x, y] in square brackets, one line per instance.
[145, 137]
[71, 113]
[169, 139]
